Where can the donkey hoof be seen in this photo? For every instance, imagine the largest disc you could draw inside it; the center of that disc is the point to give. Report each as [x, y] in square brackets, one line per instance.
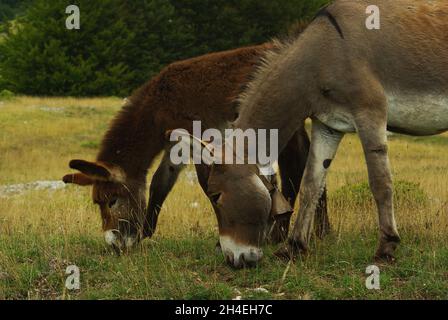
[386, 250]
[284, 253]
[323, 233]
[385, 258]
[291, 251]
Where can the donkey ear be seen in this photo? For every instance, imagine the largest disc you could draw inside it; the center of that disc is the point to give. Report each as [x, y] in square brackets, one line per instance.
[99, 171]
[78, 178]
[92, 170]
[280, 206]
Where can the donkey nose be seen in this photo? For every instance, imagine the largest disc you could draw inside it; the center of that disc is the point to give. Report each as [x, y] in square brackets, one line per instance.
[119, 242]
[244, 260]
[112, 238]
[240, 256]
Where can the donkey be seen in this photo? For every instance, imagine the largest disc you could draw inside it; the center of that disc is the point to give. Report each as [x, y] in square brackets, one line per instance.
[347, 79]
[200, 89]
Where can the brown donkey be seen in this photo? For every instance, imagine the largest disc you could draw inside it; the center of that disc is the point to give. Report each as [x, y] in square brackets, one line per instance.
[199, 89]
[346, 78]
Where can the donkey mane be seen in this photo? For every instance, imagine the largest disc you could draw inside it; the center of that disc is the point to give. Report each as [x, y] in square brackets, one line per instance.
[278, 48]
[125, 139]
[264, 68]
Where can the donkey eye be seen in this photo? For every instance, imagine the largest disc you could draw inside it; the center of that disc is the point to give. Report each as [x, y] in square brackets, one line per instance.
[112, 203]
[215, 198]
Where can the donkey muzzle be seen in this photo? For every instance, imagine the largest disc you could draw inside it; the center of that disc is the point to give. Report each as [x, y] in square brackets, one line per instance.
[240, 255]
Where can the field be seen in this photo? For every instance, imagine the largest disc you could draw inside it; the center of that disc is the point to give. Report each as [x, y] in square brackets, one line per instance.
[45, 227]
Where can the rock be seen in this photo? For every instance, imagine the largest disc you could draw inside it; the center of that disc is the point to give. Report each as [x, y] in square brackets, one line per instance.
[17, 189]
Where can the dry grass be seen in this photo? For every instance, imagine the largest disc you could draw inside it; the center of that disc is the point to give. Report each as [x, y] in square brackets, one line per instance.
[41, 232]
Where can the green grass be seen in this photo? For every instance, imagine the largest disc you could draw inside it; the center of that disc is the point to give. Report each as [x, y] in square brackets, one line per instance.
[190, 269]
[436, 140]
[43, 232]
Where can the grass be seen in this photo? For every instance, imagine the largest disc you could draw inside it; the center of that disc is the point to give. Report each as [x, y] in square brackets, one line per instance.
[42, 232]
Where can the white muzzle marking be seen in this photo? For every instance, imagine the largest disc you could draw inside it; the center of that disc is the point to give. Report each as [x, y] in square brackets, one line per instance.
[239, 255]
[111, 238]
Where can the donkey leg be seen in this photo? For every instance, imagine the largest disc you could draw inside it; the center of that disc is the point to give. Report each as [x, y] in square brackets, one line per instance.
[324, 144]
[292, 163]
[322, 225]
[203, 172]
[161, 185]
[374, 141]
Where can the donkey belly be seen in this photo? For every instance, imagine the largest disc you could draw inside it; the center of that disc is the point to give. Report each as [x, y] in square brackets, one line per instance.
[420, 115]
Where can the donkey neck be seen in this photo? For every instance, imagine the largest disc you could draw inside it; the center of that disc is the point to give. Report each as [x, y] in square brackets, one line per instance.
[134, 139]
[267, 102]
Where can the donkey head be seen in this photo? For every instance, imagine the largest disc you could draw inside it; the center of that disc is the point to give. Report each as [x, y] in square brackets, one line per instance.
[248, 206]
[121, 200]
[246, 203]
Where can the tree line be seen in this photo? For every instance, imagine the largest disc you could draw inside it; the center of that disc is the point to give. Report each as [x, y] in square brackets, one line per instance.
[121, 44]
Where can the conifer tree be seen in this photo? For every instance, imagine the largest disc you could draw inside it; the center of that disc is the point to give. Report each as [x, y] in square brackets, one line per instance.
[121, 44]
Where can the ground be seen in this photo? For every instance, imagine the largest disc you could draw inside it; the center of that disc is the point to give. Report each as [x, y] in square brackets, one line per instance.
[45, 226]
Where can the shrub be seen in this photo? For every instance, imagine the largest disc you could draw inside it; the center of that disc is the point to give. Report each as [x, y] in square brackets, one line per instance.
[6, 95]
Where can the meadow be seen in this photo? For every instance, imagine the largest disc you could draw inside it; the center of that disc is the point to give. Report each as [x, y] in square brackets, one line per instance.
[45, 227]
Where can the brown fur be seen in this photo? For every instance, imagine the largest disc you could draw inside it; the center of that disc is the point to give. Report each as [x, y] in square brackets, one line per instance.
[202, 89]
